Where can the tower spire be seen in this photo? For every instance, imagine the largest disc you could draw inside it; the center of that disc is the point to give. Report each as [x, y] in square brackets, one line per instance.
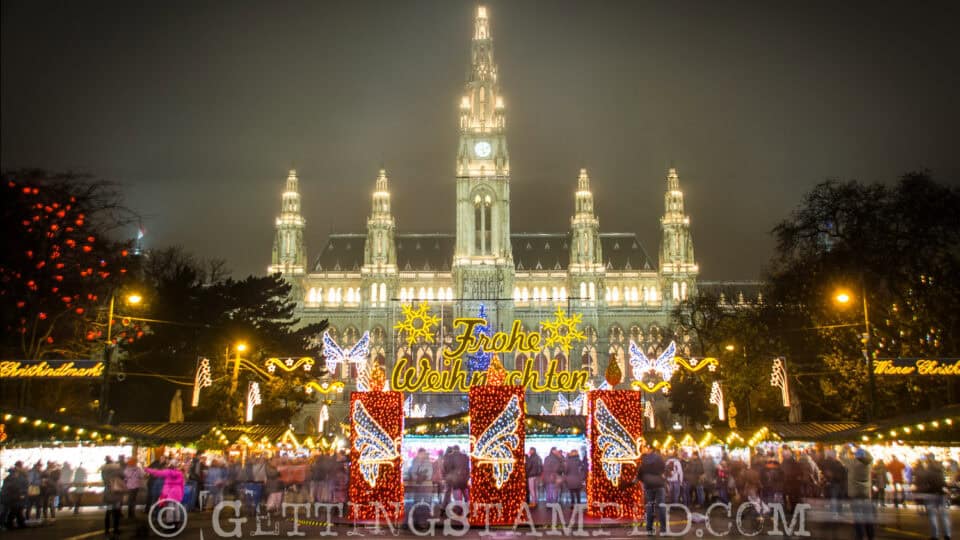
[289, 253]
[379, 250]
[677, 265]
[585, 251]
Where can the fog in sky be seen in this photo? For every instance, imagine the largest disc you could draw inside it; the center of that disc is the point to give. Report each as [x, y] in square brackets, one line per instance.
[199, 108]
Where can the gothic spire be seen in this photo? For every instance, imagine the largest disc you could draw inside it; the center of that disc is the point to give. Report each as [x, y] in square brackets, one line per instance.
[481, 107]
[289, 253]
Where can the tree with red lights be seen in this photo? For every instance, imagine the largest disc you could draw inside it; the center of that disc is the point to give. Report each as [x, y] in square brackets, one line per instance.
[59, 268]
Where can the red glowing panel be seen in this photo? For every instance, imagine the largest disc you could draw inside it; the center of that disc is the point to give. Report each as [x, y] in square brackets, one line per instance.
[497, 430]
[376, 427]
[614, 430]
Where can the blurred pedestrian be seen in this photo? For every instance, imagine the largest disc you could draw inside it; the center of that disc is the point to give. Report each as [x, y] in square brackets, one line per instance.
[133, 477]
[533, 469]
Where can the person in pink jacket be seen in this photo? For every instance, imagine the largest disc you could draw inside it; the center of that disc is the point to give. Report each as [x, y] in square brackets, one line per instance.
[172, 482]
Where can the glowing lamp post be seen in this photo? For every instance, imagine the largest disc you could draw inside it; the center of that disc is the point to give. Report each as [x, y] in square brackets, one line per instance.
[843, 299]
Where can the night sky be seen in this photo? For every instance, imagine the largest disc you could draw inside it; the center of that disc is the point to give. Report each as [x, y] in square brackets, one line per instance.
[198, 110]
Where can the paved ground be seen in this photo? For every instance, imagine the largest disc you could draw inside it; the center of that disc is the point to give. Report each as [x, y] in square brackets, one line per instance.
[905, 524]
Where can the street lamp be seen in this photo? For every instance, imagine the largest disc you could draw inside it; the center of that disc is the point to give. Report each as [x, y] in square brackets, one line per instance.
[844, 298]
[240, 347]
[731, 347]
[131, 299]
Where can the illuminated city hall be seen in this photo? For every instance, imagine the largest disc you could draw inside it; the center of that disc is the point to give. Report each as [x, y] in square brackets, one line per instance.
[359, 281]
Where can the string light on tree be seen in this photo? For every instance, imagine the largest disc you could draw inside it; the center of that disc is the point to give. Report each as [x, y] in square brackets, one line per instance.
[253, 398]
[201, 379]
[778, 379]
[716, 398]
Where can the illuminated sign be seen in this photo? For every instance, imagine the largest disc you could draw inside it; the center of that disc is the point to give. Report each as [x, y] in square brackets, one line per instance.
[53, 369]
[917, 366]
[423, 378]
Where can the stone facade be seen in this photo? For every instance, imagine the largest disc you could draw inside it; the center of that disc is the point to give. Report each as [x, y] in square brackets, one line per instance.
[359, 281]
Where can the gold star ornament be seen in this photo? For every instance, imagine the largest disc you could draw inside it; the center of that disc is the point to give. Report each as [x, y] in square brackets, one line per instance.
[417, 323]
[563, 331]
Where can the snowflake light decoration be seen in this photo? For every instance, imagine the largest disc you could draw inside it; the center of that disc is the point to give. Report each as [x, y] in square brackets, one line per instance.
[417, 323]
[563, 331]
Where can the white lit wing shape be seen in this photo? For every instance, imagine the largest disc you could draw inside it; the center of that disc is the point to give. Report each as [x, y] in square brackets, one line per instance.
[562, 404]
[617, 446]
[358, 354]
[639, 363]
[576, 406]
[497, 444]
[665, 365]
[373, 443]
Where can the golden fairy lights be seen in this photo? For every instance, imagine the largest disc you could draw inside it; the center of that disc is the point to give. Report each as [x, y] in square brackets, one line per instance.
[376, 429]
[497, 443]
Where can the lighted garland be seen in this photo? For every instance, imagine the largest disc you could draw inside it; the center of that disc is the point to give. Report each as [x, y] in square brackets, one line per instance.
[614, 429]
[497, 430]
[376, 426]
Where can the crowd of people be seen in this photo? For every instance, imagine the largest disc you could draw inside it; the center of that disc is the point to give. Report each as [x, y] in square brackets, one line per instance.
[850, 482]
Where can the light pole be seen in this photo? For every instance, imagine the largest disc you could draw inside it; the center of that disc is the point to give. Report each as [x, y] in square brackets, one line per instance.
[240, 347]
[731, 348]
[131, 299]
[843, 298]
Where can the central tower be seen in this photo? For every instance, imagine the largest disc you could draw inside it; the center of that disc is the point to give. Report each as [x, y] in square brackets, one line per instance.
[483, 258]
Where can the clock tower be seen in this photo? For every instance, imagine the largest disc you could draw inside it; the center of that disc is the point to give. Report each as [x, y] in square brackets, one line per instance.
[483, 257]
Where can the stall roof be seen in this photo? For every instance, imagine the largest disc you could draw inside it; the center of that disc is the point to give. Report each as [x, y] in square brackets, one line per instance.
[939, 426]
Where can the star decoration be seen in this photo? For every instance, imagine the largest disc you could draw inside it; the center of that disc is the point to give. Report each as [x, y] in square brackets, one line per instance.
[562, 330]
[417, 323]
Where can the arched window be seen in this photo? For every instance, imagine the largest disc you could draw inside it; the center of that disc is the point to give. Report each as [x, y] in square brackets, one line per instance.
[331, 296]
[373, 293]
[450, 293]
[676, 290]
[349, 295]
[583, 290]
[554, 296]
[593, 291]
[423, 294]
[516, 294]
[521, 359]
[482, 206]
[383, 292]
[616, 294]
[430, 294]
[683, 290]
[525, 294]
[563, 294]
[536, 294]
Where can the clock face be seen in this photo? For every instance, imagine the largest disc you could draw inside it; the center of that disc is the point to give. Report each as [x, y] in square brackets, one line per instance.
[482, 149]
